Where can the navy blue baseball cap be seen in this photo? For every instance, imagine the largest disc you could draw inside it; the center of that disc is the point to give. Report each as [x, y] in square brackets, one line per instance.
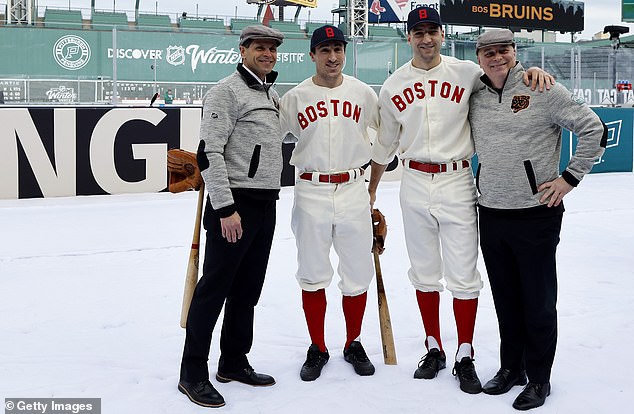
[422, 15]
[326, 33]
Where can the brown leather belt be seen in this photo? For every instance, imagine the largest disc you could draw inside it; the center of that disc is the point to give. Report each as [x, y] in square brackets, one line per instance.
[337, 178]
[437, 168]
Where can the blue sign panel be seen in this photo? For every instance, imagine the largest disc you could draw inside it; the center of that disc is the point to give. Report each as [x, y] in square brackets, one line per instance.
[618, 154]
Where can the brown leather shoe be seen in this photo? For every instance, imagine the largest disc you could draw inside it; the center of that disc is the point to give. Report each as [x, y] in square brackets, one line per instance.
[201, 393]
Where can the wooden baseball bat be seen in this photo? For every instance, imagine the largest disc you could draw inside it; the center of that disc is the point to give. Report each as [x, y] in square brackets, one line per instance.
[387, 336]
[191, 277]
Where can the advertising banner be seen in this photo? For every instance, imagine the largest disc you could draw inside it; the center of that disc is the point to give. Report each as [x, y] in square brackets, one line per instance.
[394, 11]
[305, 3]
[140, 55]
[556, 15]
[69, 151]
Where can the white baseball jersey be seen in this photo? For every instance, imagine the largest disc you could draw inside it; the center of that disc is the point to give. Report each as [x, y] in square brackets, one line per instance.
[424, 113]
[330, 124]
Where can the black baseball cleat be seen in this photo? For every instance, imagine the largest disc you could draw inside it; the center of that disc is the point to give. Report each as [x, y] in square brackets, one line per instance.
[355, 354]
[315, 361]
[532, 396]
[503, 381]
[465, 371]
[246, 376]
[430, 364]
[201, 393]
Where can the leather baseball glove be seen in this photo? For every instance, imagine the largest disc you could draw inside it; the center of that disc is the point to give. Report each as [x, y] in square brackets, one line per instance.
[379, 229]
[183, 171]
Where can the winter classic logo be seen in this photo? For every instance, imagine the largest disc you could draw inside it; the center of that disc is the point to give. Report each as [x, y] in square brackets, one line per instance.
[61, 94]
[71, 52]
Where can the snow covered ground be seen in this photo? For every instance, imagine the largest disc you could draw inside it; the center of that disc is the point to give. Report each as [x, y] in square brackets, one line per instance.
[90, 297]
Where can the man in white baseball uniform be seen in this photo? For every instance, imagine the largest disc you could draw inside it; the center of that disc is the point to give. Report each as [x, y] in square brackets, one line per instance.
[328, 116]
[424, 110]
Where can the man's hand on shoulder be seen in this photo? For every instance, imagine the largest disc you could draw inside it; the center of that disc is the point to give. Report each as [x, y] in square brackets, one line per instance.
[534, 76]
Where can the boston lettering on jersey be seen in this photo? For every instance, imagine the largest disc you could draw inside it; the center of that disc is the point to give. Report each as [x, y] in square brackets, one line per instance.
[334, 107]
[443, 90]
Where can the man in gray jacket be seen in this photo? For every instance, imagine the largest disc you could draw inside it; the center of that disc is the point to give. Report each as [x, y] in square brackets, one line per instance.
[240, 159]
[517, 134]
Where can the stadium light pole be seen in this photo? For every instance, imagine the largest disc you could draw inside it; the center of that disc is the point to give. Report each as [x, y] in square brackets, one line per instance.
[154, 69]
[115, 97]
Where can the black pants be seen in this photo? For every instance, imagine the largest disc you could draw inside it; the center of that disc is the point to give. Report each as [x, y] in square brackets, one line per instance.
[519, 254]
[233, 275]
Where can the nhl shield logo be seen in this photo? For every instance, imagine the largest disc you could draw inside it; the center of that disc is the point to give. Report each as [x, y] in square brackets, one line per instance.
[175, 55]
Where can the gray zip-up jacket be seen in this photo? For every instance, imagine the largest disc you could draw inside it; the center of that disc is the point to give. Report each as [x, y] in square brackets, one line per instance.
[517, 135]
[240, 147]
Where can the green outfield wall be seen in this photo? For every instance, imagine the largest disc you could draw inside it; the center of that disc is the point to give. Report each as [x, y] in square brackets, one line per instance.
[170, 56]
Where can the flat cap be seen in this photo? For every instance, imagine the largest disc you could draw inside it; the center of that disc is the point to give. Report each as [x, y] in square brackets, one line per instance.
[495, 37]
[259, 31]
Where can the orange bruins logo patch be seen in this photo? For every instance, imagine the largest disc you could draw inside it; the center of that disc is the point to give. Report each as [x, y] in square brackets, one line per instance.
[520, 102]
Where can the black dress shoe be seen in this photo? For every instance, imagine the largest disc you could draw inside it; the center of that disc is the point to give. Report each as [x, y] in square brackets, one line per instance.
[503, 381]
[533, 396]
[246, 376]
[201, 393]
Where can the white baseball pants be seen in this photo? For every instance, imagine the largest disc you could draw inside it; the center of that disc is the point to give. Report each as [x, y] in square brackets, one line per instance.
[441, 231]
[336, 215]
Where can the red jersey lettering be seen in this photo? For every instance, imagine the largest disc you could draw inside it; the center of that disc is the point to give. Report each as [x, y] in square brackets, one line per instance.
[321, 110]
[398, 103]
[335, 110]
[446, 90]
[347, 109]
[457, 94]
[321, 107]
[302, 120]
[310, 112]
[433, 87]
[420, 92]
[409, 95]
[356, 116]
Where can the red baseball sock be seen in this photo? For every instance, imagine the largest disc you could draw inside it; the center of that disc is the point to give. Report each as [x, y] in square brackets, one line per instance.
[464, 311]
[353, 310]
[314, 304]
[429, 306]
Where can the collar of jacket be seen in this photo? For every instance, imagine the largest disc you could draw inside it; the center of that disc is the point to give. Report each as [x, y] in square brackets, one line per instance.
[254, 83]
[515, 74]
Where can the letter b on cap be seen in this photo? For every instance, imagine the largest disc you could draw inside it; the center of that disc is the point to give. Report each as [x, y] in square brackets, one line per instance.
[422, 13]
[330, 32]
